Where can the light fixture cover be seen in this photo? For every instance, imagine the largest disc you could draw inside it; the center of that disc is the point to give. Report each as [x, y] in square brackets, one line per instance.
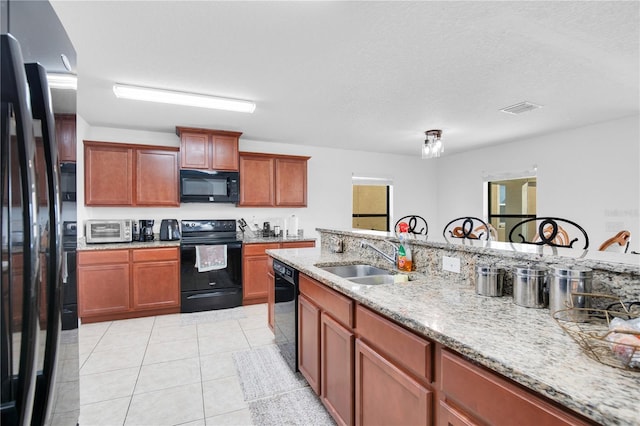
[182, 98]
[433, 146]
[62, 81]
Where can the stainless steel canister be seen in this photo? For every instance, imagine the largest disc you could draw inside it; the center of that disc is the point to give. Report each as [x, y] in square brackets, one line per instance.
[530, 286]
[489, 280]
[564, 282]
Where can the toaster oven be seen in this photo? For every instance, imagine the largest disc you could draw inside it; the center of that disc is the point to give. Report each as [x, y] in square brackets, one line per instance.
[108, 231]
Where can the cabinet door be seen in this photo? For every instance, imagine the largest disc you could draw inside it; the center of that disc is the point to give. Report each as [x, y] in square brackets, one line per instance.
[271, 302]
[66, 137]
[449, 416]
[291, 182]
[386, 395]
[255, 280]
[103, 289]
[156, 284]
[194, 150]
[336, 369]
[108, 175]
[224, 153]
[256, 181]
[157, 177]
[309, 342]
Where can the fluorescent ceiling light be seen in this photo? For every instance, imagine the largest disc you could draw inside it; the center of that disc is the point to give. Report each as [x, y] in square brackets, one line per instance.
[182, 98]
[62, 81]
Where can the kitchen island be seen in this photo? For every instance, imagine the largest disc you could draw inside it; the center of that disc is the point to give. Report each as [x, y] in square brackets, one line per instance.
[524, 345]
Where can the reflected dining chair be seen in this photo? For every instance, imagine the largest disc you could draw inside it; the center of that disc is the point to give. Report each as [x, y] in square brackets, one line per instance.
[551, 231]
[467, 227]
[417, 225]
[621, 238]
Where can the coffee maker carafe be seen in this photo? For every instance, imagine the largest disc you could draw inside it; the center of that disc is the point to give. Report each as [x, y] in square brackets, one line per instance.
[146, 230]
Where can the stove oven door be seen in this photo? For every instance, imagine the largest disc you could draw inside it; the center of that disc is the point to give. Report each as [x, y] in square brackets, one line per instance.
[216, 289]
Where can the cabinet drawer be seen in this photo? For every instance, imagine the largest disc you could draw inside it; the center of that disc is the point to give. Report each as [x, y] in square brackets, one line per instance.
[146, 255]
[298, 244]
[258, 249]
[495, 400]
[339, 306]
[405, 348]
[99, 257]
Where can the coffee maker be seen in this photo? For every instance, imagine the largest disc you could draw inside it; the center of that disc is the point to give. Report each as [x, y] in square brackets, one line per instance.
[146, 230]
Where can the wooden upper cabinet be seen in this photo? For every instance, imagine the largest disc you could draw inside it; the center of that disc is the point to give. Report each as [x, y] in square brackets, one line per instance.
[108, 174]
[130, 175]
[270, 180]
[208, 149]
[291, 182]
[257, 178]
[66, 137]
[194, 150]
[157, 177]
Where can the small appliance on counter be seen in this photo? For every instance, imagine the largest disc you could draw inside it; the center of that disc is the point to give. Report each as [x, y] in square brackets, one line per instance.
[108, 231]
[169, 230]
[145, 230]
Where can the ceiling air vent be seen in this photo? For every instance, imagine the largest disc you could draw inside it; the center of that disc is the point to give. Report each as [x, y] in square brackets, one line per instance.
[520, 108]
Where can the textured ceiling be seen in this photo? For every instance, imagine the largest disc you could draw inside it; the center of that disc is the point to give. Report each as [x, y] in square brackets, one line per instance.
[361, 75]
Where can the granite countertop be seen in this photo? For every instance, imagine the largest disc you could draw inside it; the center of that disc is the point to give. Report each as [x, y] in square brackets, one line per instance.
[83, 246]
[524, 344]
[255, 240]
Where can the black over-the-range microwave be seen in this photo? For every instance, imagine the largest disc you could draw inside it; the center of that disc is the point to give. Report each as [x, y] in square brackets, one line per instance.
[203, 186]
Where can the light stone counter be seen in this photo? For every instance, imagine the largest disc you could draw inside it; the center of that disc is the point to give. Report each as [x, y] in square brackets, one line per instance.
[83, 246]
[523, 344]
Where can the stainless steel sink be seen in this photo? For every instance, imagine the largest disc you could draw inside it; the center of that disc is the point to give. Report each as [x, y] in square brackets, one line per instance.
[361, 274]
[351, 271]
[373, 279]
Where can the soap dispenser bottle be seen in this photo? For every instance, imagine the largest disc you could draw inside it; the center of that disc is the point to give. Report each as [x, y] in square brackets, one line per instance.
[405, 262]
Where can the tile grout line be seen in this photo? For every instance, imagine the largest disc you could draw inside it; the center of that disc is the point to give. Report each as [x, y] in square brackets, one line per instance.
[204, 413]
[133, 391]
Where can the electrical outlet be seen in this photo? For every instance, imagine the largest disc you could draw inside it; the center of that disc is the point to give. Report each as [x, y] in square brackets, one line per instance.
[451, 264]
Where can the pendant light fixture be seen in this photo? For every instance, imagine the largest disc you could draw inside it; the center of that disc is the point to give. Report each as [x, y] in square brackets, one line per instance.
[432, 147]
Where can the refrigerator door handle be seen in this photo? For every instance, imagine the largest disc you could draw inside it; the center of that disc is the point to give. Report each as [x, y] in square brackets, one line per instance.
[15, 92]
[42, 110]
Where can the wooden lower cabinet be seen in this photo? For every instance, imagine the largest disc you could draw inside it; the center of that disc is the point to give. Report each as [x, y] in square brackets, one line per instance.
[309, 342]
[255, 267]
[154, 281]
[336, 369]
[325, 346]
[369, 370]
[490, 399]
[386, 395]
[119, 284]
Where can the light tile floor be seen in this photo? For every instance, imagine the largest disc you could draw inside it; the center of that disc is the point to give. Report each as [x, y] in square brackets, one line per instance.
[168, 370]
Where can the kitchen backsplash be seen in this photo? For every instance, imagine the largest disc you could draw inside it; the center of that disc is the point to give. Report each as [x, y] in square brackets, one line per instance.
[622, 280]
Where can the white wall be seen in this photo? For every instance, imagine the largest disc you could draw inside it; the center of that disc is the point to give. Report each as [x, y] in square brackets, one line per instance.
[589, 175]
[329, 184]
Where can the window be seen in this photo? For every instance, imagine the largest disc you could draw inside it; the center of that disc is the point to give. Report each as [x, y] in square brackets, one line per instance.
[371, 207]
[372, 203]
[510, 202]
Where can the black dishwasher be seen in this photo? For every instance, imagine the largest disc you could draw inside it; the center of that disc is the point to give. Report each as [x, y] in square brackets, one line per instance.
[286, 312]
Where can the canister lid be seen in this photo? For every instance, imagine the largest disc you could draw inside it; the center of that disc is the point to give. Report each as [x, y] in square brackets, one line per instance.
[572, 271]
[488, 270]
[531, 271]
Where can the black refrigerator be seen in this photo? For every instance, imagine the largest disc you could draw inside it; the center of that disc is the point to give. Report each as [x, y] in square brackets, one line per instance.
[38, 361]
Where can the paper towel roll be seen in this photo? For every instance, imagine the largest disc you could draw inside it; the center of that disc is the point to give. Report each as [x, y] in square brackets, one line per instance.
[292, 226]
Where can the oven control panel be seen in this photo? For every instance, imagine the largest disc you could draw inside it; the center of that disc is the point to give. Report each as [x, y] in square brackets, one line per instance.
[223, 225]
